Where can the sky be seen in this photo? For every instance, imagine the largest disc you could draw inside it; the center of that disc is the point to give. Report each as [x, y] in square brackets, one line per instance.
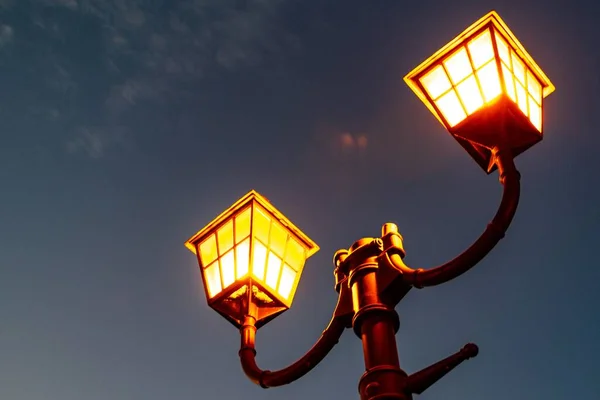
[127, 125]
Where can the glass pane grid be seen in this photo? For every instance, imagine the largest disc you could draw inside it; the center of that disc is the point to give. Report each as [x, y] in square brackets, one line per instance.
[451, 108]
[261, 238]
[226, 253]
[455, 109]
[466, 80]
[488, 62]
[276, 259]
[458, 66]
[489, 81]
[522, 85]
[268, 252]
[462, 80]
[478, 56]
[481, 49]
[282, 265]
[436, 82]
[454, 102]
[470, 95]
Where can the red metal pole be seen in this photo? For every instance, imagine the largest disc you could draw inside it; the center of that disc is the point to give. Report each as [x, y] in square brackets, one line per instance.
[376, 324]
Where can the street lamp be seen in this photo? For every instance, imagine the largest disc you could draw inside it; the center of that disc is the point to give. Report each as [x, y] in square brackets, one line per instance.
[485, 89]
[251, 258]
[488, 93]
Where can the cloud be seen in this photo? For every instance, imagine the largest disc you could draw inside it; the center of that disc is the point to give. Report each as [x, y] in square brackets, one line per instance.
[181, 45]
[143, 51]
[135, 90]
[94, 141]
[159, 48]
[6, 34]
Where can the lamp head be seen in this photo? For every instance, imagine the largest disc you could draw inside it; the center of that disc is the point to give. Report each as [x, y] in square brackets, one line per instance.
[251, 258]
[485, 89]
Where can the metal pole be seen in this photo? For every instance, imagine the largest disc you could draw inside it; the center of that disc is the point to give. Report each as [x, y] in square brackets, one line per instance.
[376, 324]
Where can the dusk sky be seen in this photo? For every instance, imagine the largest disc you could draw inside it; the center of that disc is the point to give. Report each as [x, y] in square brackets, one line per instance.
[127, 125]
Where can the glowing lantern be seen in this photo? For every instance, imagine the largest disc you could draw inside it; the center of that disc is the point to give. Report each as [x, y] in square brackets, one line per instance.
[485, 89]
[251, 258]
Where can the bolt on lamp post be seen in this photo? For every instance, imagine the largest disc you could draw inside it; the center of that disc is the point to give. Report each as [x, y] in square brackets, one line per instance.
[488, 93]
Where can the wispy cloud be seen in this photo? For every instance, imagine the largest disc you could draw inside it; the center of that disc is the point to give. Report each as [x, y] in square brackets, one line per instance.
[6, 34]
[193, 39]
[227, 32]
[130, 93]
[94, 141]
[148, 51]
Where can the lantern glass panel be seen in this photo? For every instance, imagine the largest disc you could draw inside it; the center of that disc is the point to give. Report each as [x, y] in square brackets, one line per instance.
[208, 250]
[286, 282]
[242, 257]
[227, 262]
[212, 279]
[259, 260]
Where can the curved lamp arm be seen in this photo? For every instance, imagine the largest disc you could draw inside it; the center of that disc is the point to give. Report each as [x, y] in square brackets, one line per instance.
[509, 178]
[329, 338]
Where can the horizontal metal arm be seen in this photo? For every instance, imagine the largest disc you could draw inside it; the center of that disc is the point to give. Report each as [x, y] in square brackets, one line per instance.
[510, 179]
[420, 381]
[329, 338]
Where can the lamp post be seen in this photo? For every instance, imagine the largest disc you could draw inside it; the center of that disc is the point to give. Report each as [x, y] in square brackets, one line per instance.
[487, 91]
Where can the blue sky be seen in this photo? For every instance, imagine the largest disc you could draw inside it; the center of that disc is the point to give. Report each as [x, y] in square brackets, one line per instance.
[126, 125]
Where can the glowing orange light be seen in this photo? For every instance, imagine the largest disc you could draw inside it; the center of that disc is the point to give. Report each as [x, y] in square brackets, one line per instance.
[475, 72]
[251, 250]
[483, 56]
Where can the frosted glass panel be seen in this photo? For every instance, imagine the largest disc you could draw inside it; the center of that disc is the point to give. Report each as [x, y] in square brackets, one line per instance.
[212, 279]
[458, 66]
[469, 94]
[450, 107]
[436, 82]
[242, 254]
[208, 250]
[286, 283]
[273, 269]
[259, 260]
[227, 268]
[242, 225]
[225, 237]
